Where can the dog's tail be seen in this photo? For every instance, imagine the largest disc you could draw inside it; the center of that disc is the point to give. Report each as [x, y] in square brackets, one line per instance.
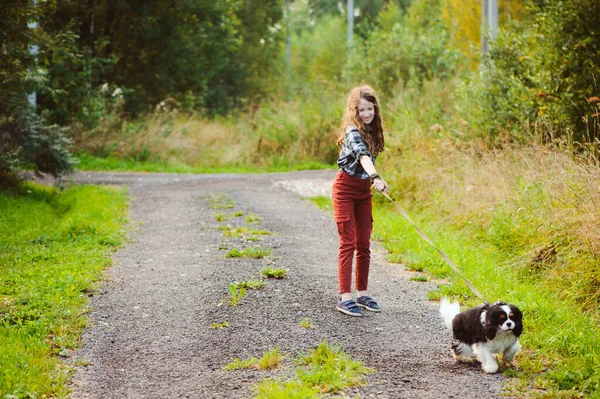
[449, 311]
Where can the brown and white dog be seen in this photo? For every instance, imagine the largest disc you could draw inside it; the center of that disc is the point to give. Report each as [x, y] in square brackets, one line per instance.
[481, 332]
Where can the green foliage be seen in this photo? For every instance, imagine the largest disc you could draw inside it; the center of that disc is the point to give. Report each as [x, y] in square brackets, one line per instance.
[255, 253]
[293, 389]
[45, 281]
[254, 61]
[306, 323]
[216, 326]
[540, 81]
[243, 232]
[330, 369]
[252, 218]
[26, 139]
[569, 55]
[421, 50]
[27, 142]
[238, 364]
[270, 360]
[325, 369]
[253, 284]
[323, 202]
[517, 251]
[236, 294]
[274, 272]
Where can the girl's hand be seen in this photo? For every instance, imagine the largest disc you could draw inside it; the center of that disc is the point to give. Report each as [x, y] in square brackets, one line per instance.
[380, 185]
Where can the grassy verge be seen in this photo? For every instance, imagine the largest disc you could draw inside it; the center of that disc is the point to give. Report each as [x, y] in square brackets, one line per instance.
[522, 226]
[127, 164]
[560, 357]
[53, 248]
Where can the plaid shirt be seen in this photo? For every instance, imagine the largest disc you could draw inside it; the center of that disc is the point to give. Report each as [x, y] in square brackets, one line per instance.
[353, 148]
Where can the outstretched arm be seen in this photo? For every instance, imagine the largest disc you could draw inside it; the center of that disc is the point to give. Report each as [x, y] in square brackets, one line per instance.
[378, 183]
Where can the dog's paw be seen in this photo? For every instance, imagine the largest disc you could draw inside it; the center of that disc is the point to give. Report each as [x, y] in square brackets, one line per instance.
[462, 359]
[490, 367]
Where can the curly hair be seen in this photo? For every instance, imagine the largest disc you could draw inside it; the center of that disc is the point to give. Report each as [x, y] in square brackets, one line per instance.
[373, 132]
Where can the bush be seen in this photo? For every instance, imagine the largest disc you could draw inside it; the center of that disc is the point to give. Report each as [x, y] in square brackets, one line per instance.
[418, 46]
[539, 82]
[27, 142]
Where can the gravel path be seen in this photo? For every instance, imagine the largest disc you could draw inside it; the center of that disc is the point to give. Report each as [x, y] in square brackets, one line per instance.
[151, 335]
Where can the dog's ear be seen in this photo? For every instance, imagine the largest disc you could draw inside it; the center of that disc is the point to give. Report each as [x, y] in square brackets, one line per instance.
[518, 319]
[489, 328]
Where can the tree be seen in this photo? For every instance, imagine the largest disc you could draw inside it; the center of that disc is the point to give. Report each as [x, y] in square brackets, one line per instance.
[26, 140]
[157, 49]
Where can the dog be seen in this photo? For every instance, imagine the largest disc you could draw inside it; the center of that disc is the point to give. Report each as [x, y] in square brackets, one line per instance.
[481, 332]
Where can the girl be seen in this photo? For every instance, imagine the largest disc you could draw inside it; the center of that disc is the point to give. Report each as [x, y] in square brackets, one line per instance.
[361, 140]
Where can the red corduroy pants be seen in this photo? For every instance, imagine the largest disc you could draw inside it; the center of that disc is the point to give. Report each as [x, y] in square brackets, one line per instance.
[352, 209]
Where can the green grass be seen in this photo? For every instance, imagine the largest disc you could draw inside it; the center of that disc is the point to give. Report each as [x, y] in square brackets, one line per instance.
[220, 201]
[236, 294]
[238, 364]
[221, 217]
[270, 360]
[53, 248]
[323, 202]
[216, 326]
[561, 347]
[252, 218]
[254, 253]
[273, 272]
[239, 232]
[91, 162]
[306, 323]
[252, 284]
[323, 370]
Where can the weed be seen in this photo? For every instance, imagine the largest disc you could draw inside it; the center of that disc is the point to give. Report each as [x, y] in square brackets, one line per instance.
[83, 363]
[252, 218]
[236, 294]
[255, 253]
[238, 214]
[250, 284]
[294, 389]
[215, 326]
[219, 217]
[306, 323]
[323, 370]
[270, 272]
[330, 369]
[234, 253]
[238, 364]
[239, 232]
[419, 277]
[270, 360]
[220, 201]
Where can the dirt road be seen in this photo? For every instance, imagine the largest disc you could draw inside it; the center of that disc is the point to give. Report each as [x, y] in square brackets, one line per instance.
[151, 335]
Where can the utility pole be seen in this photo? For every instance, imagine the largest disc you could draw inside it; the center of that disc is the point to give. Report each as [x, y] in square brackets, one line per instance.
[33, 50]
[489, 23]
[288, 51]
[350, 12]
